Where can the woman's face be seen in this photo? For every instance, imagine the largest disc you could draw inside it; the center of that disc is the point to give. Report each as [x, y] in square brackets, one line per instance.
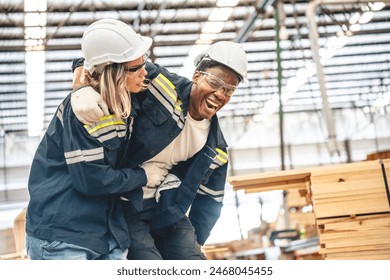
[135, 74]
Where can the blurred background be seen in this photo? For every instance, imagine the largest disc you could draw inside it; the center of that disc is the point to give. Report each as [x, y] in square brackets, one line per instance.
[318, 89]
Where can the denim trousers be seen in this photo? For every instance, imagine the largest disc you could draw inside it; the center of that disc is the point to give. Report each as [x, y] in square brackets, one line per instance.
[179, 244]
[39, 249]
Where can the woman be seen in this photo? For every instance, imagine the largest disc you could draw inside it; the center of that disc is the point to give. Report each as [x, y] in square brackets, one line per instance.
[75, 181]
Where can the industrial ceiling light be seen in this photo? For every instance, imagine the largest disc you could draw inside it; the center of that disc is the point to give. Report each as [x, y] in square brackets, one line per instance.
[220, 14]
[227, 3]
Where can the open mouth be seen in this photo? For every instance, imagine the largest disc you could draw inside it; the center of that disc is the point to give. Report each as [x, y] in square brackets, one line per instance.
[211, 105]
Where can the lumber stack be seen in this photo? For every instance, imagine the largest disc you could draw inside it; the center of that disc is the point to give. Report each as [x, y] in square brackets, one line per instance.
[296, 185]
[352, 210]
[364, 237]
[350, 202]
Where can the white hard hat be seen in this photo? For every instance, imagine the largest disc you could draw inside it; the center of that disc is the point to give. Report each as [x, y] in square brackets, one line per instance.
[230, 54]
[109, 41]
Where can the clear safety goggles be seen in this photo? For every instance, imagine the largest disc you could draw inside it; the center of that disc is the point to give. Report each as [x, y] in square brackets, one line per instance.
[217, 84]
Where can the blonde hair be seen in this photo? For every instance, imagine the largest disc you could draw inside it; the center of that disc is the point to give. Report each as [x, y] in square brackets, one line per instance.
[111, 83]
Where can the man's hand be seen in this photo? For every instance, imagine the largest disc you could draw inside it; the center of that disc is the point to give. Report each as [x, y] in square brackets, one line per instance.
[88, 105]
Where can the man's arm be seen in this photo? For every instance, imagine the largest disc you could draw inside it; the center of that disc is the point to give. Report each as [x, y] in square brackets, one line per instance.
[78, 73]
[77, 78]
[207, 205]
[87, 104]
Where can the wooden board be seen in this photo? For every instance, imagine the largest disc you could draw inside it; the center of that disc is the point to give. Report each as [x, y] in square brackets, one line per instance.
[268, 181]
[360, 255]
[297, 198]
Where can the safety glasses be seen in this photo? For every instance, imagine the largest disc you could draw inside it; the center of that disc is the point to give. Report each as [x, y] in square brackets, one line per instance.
[137, 69]
[217, 84]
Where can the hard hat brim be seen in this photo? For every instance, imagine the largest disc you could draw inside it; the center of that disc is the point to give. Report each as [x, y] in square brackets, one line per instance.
[142, 49]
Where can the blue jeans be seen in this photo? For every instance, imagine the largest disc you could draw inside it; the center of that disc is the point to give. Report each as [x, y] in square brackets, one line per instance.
[39, 249]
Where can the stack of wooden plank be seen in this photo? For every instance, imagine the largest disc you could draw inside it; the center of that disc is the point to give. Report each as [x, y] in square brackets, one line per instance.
[352, 210]
[270, 181]
[361, 237]
[351, 204]
[296, 184]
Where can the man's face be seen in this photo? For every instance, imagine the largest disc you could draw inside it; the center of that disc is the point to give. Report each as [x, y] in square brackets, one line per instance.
[206, 100]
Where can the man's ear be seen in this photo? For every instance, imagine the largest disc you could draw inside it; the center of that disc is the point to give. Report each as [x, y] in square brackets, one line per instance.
[195, 77]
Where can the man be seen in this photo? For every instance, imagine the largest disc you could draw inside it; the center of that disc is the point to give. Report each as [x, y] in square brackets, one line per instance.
[176, 124]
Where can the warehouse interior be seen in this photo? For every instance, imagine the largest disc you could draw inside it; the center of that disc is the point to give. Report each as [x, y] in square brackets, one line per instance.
[316, 103]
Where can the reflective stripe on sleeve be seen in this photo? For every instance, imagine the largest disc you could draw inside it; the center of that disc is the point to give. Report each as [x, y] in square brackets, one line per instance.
[84, 155]
[216, 195]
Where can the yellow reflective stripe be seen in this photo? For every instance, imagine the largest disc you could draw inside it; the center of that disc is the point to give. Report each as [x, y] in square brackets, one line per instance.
[107, 121]
[221, 152]
[164, 91]
[166, 88]
[167, 81]
[223, 160]
[90, 131]
[222, 156]
[107, 117]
